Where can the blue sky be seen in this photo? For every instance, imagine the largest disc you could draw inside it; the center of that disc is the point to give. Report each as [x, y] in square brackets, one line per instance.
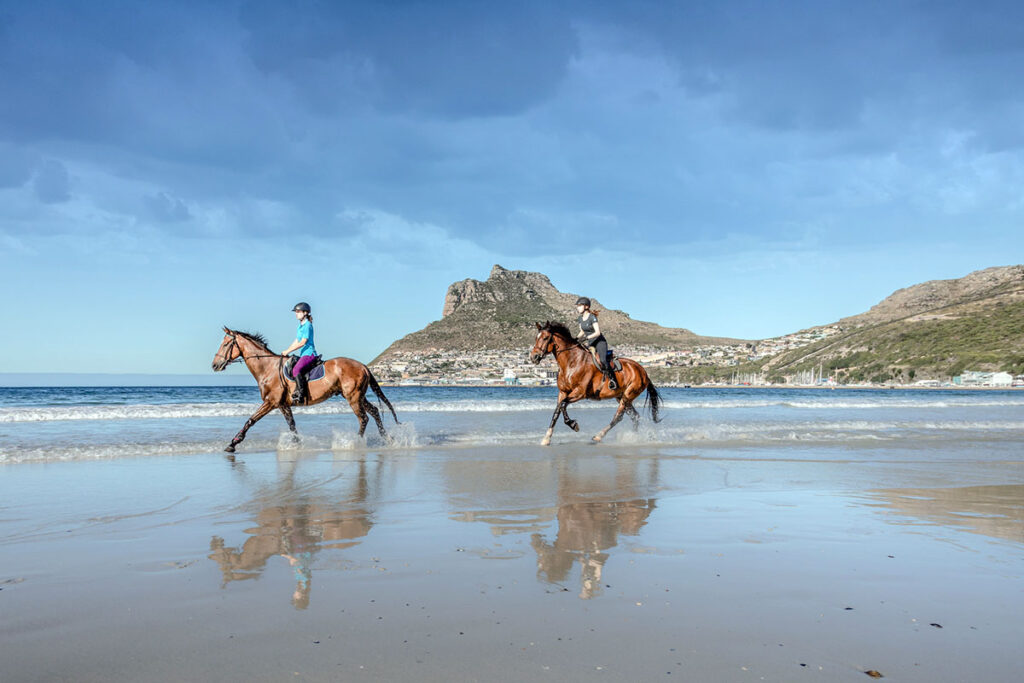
[744, 169]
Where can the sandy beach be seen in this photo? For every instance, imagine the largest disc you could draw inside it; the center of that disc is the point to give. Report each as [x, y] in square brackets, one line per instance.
[617, 562]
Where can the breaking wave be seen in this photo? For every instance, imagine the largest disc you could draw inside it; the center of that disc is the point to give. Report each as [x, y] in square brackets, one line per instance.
[340, 407]
[406, 436]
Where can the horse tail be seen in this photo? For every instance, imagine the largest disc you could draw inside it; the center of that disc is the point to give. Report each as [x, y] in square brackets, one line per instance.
[380, 395]
[653, 400]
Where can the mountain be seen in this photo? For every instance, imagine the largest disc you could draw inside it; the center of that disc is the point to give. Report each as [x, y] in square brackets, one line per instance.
[932, 330]
[935, 329]
[500, 312]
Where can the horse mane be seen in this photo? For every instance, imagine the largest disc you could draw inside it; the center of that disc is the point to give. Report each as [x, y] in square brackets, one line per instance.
[559, 329]
[256, 338]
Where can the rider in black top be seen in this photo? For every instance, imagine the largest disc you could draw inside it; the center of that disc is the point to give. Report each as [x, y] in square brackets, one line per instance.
[590, 335]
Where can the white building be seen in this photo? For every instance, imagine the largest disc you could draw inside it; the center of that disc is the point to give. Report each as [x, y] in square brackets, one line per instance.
[1001, 379]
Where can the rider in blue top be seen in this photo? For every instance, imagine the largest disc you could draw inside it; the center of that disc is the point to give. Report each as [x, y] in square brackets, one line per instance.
[305, 332]
[307, 352]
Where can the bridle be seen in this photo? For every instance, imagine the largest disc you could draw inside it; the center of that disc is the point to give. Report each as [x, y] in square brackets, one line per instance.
[241, 356]
[551, 342]
[227, 353]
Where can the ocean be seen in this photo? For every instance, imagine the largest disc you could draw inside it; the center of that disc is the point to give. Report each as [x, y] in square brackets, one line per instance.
[98, 423]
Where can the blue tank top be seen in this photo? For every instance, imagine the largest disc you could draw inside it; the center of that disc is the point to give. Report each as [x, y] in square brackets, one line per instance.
[306, 332]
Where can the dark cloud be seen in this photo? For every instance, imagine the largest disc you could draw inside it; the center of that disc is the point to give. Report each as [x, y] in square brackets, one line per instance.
[455, 59]
[52, 184]
[16, 166]
[167, 209]
[534, 126]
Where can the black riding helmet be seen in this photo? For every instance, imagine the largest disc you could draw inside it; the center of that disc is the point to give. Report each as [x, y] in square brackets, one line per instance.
[302, 306]
[583, 301]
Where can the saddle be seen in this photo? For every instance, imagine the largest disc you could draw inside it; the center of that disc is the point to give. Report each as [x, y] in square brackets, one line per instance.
[612, 360]
[315, 371]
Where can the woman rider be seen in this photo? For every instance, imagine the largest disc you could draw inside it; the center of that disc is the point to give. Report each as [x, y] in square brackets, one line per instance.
[307, 352]
[590, 335]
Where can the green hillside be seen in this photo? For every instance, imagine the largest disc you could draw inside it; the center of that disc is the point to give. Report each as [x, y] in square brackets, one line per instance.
[991, 338]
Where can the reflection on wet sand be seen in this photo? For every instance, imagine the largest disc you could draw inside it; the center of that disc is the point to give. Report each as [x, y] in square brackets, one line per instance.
[596, 501]
[585, 530]
[296, 522]
[995, 511]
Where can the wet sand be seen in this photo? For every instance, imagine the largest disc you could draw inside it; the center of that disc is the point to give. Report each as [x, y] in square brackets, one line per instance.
[508, 564]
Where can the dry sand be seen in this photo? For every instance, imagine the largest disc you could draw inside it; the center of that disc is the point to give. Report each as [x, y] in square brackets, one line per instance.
[563, 564]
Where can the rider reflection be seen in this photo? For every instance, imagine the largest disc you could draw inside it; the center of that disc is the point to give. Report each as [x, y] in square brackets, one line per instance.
[587, 527]
[585, 531]
[596, 502]
[295, 525]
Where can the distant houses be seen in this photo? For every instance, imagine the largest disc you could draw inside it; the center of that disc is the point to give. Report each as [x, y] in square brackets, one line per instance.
[511, 367]
[973, 378]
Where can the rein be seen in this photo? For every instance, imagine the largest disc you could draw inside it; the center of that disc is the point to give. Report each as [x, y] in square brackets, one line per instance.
[572, 345]
[241, 356]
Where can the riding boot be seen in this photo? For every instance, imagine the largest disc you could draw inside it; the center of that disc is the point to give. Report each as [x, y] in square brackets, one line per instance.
[610, 376]
[301, 390]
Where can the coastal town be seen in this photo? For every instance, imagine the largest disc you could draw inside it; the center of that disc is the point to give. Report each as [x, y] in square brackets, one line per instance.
[504, 367]
[513, 367]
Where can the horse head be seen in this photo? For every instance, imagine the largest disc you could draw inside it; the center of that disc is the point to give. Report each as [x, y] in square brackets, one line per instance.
[228, 352]
[543, 344]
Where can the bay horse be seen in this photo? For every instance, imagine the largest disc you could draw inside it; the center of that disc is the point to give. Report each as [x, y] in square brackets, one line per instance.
[344, 376]
[579, 378]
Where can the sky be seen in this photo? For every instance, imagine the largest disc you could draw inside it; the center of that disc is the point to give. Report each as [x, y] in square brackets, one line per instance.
[742, 169]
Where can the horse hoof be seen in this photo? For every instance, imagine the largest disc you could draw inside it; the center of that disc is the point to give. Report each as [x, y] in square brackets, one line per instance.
[596, 439]
[229, 449]
[574, 426]
[545, 442]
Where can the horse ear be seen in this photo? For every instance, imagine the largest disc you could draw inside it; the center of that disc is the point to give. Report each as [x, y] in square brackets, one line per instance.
[538, 325]
[226, 330]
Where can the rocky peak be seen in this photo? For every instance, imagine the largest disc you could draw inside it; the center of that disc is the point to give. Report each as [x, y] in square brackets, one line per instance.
[500, 312]
[502, 285]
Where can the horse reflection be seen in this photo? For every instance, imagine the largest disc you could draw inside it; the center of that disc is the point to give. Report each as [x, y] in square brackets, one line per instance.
[596, 502]
[585, 531]
[295, 524]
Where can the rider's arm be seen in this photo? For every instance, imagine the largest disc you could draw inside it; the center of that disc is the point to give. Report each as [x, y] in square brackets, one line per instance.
[597, 330]
[297, 344]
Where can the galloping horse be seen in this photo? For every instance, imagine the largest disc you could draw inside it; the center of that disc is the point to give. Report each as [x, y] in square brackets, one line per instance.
[579, 378]
[344, 376]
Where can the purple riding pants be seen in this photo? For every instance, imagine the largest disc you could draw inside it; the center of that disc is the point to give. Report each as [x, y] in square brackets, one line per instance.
[301, 364]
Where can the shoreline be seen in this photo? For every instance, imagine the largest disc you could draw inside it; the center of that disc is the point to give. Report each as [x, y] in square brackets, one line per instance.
[676, 385]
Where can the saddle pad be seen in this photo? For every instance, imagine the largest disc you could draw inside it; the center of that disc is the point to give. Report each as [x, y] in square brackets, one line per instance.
[616, 364]
[316, 373]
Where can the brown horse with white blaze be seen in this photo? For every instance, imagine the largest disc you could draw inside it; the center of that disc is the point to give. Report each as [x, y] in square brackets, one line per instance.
[579, 378]
[343, 376]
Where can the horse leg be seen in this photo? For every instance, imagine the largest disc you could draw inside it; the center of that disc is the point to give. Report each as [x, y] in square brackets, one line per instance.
[356, 402]
[633, 415]
[287, 412]
[615, 420]
[253, 419]
[375, 414]
[569, 422]
[562, 402]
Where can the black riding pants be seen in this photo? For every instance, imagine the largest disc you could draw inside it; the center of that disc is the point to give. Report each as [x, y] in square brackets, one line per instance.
[601, 346]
